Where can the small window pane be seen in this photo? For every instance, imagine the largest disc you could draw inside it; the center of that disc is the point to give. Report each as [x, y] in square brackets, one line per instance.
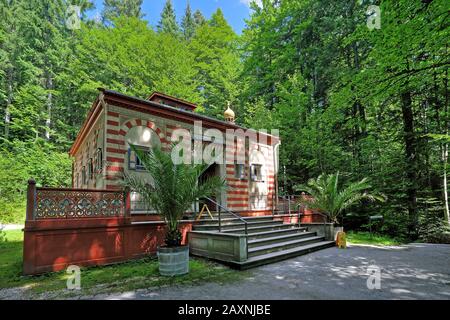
[134, 163]
[239, 171]
[90, 169]
[83, 175]
[256, 172]
[99, 159]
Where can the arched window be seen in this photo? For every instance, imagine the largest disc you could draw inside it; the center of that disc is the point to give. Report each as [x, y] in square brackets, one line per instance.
[90, 169]
[142, 138]
[256, 172]
[83, 175]
[99, 158]
[239, 171]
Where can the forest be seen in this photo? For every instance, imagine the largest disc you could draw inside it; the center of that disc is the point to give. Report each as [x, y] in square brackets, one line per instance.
[359, 92]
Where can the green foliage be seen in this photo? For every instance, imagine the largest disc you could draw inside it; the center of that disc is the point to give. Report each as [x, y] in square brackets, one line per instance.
[49, 77]
[432, 225]
[188, 24]
[2, 235]
[199, 19]
[329, 197]
[113, 9]
[367, 103]
[168, 23]
[216, 62]
[373, 239]
[22, 162]
[172, 189]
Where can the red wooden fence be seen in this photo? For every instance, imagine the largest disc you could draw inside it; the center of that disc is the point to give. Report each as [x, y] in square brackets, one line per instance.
[85, 227]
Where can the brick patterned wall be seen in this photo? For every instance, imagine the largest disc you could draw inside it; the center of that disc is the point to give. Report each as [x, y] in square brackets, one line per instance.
[119, 120]
[88, 150]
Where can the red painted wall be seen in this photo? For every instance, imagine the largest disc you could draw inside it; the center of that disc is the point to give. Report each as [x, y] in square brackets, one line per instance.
[52, 245]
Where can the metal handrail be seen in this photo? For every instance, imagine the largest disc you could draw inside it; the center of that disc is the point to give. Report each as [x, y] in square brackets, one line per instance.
[219, 206]
[289, 199]
[229, 211]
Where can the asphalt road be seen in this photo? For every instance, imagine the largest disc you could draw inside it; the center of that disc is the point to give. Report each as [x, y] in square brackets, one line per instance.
[414, 271]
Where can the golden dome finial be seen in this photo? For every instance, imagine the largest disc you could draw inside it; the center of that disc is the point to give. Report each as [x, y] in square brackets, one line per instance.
[229, 114]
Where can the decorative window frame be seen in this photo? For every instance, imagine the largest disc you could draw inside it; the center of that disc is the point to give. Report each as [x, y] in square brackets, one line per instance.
[239, 171]
[256, 176]
[90, 169]
[99, 159]
[132, 163]
[83, 175]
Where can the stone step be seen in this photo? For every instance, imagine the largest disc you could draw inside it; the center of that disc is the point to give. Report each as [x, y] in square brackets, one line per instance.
[281, 255]
[268, 233]
[234, 220]
[273, 239]
[282, 245]
[252, 230]
[236, 225]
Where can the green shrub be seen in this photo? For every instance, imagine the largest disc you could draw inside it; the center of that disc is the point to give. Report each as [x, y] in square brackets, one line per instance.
[2, 235]
[395, 223]
[432, 226]
[21, 161]
[443, 237]
[435, 233]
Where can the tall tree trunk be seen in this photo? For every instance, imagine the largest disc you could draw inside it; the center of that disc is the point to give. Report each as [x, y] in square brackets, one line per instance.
[48, 121]
[358, 112]
[410, 153]
[8, 104]
[445, 183]
[445, 150]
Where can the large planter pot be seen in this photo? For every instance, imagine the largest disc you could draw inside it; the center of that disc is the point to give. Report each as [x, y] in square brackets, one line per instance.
[173, 261]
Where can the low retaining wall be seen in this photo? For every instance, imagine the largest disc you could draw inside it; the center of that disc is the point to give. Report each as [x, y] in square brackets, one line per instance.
[220, 246]
[326, 230]
[54, 245]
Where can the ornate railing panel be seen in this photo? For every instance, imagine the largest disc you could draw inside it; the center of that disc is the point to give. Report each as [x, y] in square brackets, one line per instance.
[52, 203]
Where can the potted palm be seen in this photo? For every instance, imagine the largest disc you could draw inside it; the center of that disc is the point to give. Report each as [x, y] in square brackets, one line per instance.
[328, 197]
[171, 189]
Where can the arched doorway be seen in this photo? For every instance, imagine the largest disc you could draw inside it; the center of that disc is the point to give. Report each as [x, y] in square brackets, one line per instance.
[211, 171]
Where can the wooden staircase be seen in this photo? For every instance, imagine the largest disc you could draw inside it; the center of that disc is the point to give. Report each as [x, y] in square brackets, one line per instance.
[266, 239]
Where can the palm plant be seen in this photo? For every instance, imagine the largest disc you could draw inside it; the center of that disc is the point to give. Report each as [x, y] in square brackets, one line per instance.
[328, 197]
[173, 188]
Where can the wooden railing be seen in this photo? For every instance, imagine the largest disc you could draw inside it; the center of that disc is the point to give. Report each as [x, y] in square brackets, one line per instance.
[65, 203]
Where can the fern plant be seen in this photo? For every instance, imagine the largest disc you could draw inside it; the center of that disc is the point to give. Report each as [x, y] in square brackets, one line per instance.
[327, 196]
[173, 188]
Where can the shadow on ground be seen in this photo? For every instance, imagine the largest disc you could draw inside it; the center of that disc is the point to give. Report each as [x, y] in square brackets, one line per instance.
[414, 271]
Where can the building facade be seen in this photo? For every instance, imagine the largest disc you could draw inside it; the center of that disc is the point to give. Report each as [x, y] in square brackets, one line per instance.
[102, 153]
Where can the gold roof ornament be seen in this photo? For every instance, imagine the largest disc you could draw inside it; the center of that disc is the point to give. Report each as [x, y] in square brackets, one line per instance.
[229, 114]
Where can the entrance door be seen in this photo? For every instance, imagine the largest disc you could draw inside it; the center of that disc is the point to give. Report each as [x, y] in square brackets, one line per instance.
[213, 170]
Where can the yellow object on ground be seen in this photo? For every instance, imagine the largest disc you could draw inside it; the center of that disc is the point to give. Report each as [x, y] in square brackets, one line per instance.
[201, 212]
[341, 240]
